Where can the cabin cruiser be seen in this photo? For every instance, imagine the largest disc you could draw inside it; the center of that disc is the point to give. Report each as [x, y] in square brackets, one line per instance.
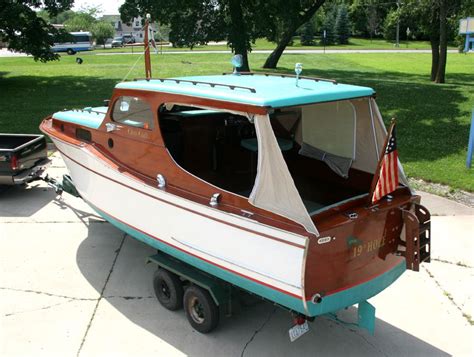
[263, 181]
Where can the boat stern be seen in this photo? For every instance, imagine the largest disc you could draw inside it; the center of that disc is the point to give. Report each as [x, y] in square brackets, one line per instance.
[364, 252]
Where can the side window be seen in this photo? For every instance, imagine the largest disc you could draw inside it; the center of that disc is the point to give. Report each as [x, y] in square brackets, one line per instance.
[133, 111]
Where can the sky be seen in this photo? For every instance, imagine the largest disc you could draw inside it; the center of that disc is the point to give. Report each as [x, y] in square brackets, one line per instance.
[109, 7]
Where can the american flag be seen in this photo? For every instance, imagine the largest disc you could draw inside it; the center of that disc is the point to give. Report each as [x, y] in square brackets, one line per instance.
[388, 177]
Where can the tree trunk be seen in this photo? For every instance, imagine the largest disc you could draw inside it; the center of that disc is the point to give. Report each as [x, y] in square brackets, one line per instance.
[274, 57]
[238, 34]
[443, 42]
[434, 57]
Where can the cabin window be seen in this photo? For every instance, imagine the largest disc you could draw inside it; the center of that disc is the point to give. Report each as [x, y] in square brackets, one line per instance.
[133, 111]
[83, 134]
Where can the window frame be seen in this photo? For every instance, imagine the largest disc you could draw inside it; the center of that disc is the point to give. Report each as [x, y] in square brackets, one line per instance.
[151, 123]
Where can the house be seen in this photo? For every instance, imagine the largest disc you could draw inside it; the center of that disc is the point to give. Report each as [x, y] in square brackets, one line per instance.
[135, 28]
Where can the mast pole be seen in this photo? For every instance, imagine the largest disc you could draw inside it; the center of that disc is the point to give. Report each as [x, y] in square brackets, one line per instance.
[147, 49]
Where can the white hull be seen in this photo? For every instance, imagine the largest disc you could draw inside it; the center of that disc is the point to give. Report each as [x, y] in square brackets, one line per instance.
[231, 242]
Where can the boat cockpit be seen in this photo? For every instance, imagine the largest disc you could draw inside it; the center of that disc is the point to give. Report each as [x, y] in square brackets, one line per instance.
[330, 149]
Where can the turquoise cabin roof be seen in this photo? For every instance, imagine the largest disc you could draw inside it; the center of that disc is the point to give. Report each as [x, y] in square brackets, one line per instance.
[268, 91]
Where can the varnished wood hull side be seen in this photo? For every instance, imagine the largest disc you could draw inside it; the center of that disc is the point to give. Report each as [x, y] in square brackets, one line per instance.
[354, 251]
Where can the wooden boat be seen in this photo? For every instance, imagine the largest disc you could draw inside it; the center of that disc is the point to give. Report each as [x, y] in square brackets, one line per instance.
[261, 180]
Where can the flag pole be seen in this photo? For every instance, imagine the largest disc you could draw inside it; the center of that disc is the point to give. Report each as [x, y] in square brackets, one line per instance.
[147, 50]
[373, 185]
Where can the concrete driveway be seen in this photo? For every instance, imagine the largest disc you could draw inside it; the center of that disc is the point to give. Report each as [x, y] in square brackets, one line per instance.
[71, 284]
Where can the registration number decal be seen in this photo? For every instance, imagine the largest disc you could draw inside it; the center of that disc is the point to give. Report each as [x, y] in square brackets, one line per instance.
[367, 247]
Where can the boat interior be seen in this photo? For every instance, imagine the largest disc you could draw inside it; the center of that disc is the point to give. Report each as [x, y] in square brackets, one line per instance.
[221, 148]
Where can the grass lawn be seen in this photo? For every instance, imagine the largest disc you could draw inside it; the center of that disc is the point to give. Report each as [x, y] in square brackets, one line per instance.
[433, 120]
[262, 44]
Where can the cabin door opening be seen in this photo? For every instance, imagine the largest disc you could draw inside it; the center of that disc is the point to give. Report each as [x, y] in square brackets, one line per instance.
[210, 144]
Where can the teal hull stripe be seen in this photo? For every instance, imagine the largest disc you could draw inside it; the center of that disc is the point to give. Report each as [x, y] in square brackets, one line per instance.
[329, 303]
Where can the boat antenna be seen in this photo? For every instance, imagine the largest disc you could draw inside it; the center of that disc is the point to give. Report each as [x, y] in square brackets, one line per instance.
[147, 49]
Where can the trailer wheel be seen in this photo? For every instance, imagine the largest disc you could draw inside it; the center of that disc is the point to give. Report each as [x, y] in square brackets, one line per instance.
[201, 310]
[168, 289]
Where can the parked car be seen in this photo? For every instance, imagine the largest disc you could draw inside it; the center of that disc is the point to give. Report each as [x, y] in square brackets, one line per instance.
[128, 39]
[23, 158]
[117, 42]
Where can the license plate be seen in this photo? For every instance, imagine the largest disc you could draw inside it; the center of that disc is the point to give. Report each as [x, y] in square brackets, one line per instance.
[298, 330]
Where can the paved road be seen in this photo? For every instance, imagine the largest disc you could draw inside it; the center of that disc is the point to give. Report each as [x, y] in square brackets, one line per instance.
[72, 285]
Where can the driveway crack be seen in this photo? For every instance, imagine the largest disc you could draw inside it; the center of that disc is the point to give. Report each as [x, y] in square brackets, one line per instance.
[117, 253]
[48, 294]
[354, 328]
[257, 331]
[39, 309]
[449, 296]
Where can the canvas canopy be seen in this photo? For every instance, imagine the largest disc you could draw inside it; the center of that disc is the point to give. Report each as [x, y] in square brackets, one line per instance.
[343, 134]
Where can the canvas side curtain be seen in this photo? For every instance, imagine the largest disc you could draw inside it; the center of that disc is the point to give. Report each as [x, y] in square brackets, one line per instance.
[274, 188]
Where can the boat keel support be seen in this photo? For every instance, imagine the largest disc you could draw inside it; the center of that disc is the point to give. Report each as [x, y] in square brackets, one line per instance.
[365, 317]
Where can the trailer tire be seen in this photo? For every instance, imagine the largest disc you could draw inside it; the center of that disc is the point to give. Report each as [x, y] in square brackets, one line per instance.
[168, 289]
[200, 308]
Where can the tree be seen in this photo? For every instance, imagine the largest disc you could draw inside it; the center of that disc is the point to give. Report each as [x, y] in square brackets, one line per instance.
[25, 31]
[373, 21]
[80, 21]
[343, 26]
[436, 19]
[366, 16]
[307, 35]
[330, 26]
[195, 22]
[102, 31]
[290, 15]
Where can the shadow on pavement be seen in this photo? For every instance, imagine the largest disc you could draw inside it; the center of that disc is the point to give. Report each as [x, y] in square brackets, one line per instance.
[259, 329]
[24, 200]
